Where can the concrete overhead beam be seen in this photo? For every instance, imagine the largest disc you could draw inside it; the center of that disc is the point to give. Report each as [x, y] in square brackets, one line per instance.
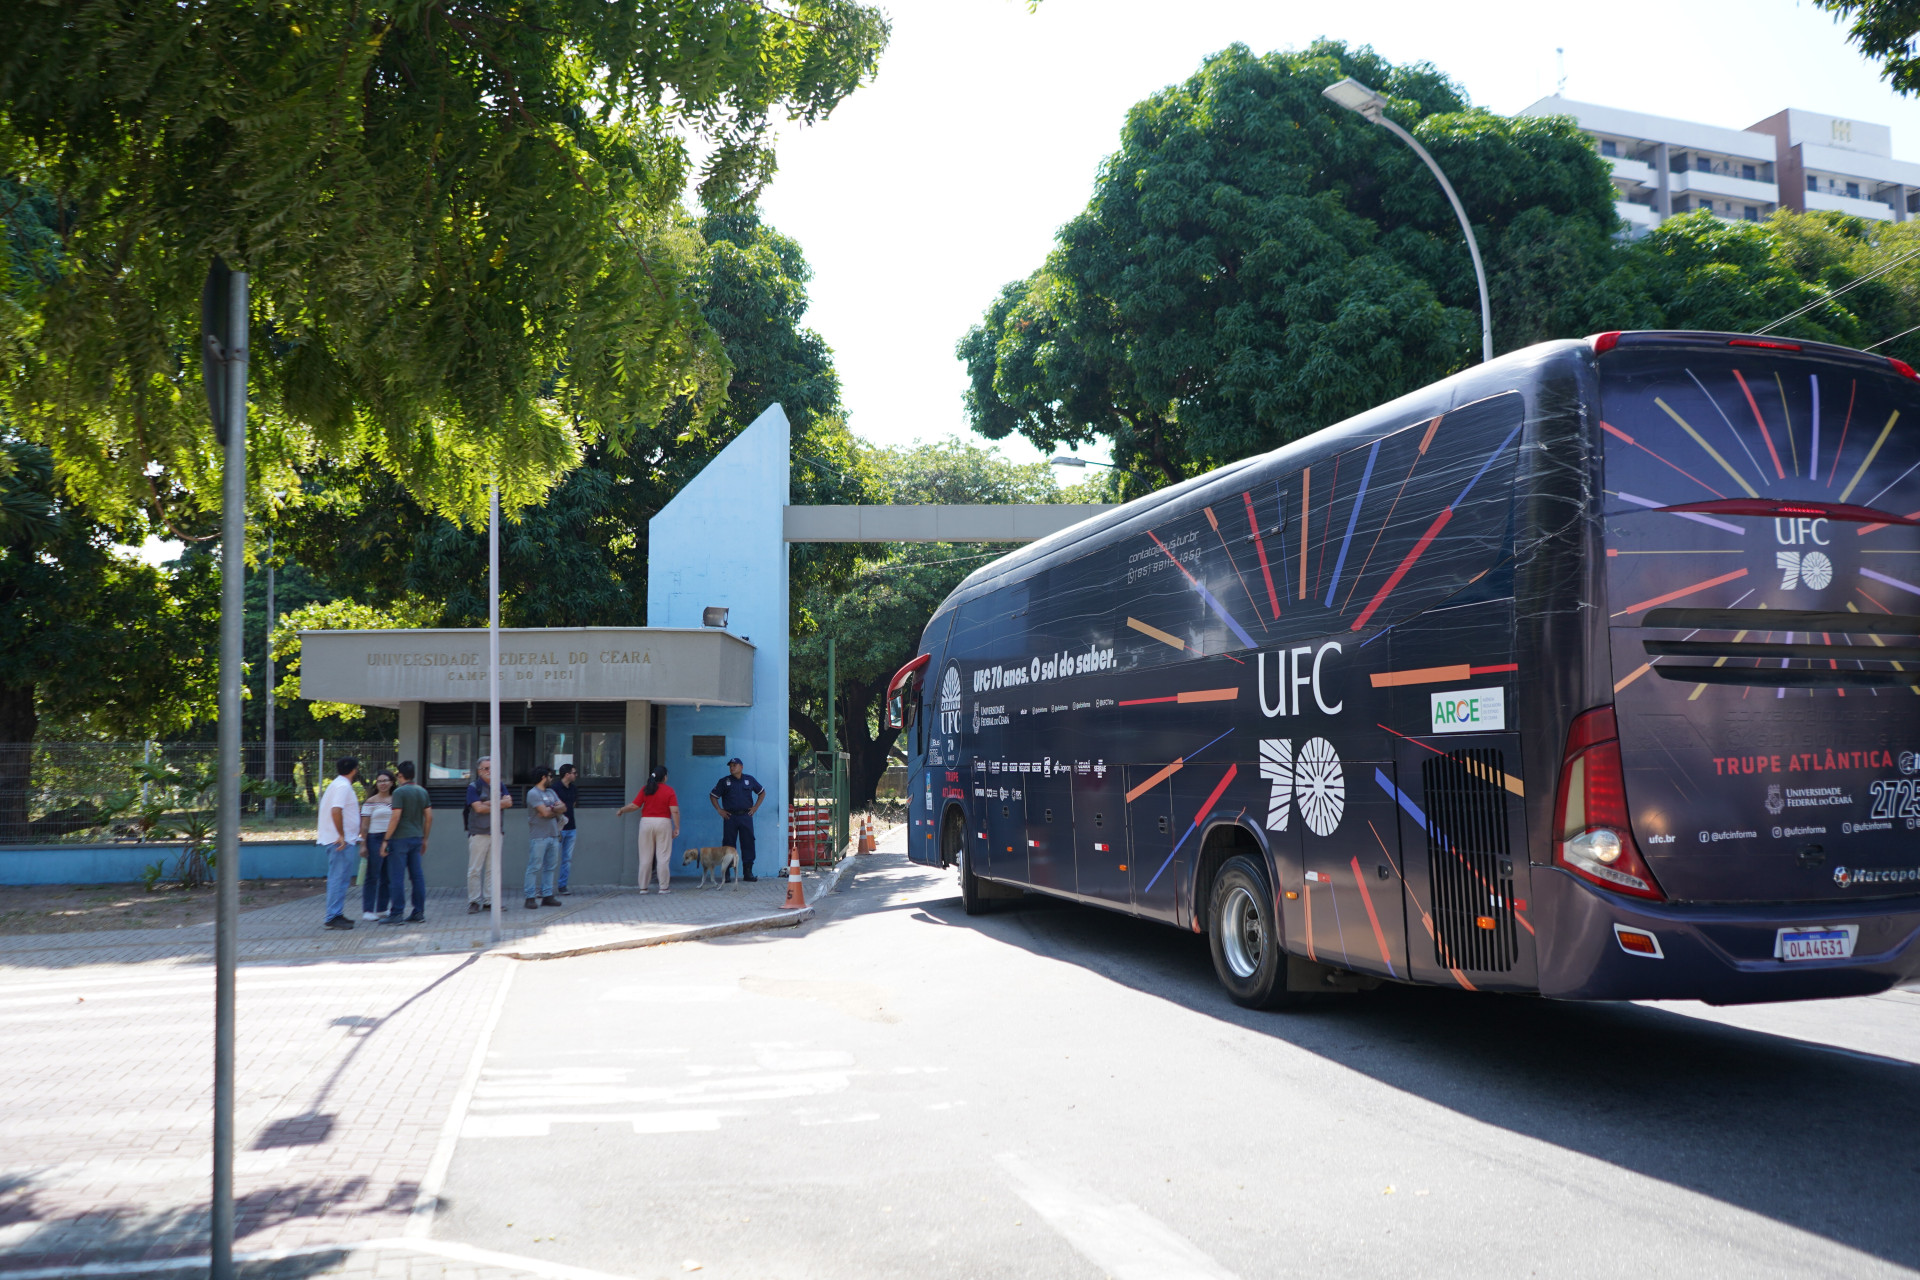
[936, 523]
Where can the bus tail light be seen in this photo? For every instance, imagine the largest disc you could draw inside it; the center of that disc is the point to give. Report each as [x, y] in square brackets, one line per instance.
[1593, 837]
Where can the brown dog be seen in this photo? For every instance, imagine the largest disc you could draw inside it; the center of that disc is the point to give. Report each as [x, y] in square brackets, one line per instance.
[713, 862]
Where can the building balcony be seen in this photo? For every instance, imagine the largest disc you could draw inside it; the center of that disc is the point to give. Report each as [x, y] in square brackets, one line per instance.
[1629, 174]
[1639, 218]
[1725, 187]
[1849, 204]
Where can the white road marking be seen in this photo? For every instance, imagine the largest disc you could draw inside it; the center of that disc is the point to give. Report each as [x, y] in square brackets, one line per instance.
[1119, 1238]
[420, 1222]
[539, 1126]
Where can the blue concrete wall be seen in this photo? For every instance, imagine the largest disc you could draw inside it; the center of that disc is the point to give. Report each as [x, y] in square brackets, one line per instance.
[124, 863]
[721, 542]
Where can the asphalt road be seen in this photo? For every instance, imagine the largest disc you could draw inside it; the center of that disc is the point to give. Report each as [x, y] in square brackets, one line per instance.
[1053, 1091]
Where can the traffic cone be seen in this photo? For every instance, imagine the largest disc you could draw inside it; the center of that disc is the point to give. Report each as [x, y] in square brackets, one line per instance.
[796, 897]
[867, 843]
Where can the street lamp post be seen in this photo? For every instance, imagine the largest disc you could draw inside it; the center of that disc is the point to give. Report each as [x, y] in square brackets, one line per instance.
[1354, 96]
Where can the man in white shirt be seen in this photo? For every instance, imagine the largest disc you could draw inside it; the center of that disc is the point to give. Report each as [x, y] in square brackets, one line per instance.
[340, 836]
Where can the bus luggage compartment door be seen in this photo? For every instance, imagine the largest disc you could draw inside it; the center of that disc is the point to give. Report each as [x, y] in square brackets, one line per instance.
[1049, 832]
[1152, 840]
[1100, 835]
[1004, 819]
[1348, 847]
[1463, 827]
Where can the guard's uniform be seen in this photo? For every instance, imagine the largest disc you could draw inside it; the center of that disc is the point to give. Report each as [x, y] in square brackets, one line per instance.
[736, 797]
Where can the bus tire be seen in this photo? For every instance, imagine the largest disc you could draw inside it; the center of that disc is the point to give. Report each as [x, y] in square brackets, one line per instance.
[953, 848]
[1242, 932]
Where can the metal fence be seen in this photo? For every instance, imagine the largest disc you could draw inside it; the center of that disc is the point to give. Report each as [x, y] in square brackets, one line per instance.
[86, 792]
[819, 814]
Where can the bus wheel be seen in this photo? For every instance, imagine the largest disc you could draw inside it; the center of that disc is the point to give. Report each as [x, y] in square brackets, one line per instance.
[1246, 944]
[953, 848]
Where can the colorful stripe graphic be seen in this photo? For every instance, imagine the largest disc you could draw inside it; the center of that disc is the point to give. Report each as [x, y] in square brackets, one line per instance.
[1833, 468]
[1908, 587]
[1401, 798]
[1306, 526]
[1694, 516]
[1766, 435]
[1474, 767]
[1393, 506]
[1215, 522]
[1205, 594]
[1259, 544]
[1871, 455]
[1610, 429]
[1813, 450]
[1435, 675]
[1393, 579]
[1353, 521]
[1685, 591]
[1169, 770]
[1198, 818]
[1379, 938]
[1186, 695]
[1712, 452]
[1150, 630]
[1484, 467]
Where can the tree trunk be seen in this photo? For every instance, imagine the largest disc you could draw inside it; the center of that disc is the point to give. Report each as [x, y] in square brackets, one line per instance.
[866, 754]
[19, 722]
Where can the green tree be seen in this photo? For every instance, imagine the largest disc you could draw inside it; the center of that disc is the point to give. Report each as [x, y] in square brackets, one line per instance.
[876, 606]
[460, 221]
[1885, 32]
[1256, 263]
[89, 638]
[579, 557]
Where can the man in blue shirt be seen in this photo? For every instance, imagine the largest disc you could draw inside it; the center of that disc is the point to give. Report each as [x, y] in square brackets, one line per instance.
[736, 798]
[480, 818]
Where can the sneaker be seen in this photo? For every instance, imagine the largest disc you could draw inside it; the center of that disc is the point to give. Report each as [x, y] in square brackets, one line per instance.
[369, 915]
[533, 904]
[565, 892]
[393, 920]
[416, 918]
[750, 879]
[666, 891]
[551, 901]
[339, 922]
[473, 908]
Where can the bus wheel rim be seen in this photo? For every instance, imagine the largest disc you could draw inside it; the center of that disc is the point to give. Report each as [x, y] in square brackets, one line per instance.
[1243, 933]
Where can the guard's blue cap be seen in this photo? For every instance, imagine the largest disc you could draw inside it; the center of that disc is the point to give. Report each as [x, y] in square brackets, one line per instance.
[737, 760]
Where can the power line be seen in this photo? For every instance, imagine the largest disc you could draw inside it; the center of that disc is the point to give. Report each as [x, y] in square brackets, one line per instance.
[1837, 292]
[1884, 341]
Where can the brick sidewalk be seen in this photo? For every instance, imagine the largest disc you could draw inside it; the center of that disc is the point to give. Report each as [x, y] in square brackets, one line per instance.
[354, 1050]
[594, 917]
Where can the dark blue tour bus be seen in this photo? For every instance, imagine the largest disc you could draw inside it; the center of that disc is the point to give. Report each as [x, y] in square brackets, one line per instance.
[1593, 671]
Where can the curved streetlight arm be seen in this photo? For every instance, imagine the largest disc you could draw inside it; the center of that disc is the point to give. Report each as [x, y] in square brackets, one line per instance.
[1473, 246]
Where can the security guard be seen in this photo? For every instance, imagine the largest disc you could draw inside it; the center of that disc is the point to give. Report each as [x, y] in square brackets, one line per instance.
[736, 798]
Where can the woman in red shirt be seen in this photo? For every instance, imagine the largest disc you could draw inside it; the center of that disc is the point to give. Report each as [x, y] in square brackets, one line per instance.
[659, 826]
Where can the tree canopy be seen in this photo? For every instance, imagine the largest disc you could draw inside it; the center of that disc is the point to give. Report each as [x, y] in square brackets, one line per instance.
[460, 221]
[1885, 31]
[1256, 262]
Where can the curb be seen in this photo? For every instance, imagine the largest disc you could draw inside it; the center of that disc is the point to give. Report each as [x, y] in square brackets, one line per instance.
[693, 933]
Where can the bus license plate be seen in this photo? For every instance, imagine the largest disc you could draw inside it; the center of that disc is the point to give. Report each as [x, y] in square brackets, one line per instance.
[1834, 943]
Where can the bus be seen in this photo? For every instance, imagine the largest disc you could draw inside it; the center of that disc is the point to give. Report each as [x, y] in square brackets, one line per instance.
[1591, 672]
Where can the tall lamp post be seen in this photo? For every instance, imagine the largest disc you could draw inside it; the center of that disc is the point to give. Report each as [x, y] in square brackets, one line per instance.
[1354, 96]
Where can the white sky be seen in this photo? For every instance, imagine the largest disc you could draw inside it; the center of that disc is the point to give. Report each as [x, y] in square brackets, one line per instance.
[946, 178]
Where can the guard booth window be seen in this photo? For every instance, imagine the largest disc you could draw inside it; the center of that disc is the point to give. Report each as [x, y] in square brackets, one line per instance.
[591, 736]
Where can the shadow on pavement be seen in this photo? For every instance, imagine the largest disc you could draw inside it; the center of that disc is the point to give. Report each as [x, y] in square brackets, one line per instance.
[1813, 1139]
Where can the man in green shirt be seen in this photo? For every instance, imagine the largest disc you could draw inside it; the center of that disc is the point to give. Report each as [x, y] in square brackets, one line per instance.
[412, 824]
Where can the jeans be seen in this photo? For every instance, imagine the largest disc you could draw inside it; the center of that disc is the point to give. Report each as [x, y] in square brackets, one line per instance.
[543, 855]
[566, 854]
[340, 860]
[373, 889]
[403, 860]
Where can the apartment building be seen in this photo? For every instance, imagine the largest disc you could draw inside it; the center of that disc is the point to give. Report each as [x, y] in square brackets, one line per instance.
[1795, 159]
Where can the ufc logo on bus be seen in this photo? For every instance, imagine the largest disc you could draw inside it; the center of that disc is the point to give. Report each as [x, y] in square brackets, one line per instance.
[1313, 779]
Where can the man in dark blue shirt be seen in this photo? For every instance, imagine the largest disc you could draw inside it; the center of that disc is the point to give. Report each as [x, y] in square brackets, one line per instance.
[736, 798]
[567, 787]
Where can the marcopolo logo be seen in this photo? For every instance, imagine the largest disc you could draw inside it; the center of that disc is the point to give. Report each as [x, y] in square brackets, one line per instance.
[1469, 711]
